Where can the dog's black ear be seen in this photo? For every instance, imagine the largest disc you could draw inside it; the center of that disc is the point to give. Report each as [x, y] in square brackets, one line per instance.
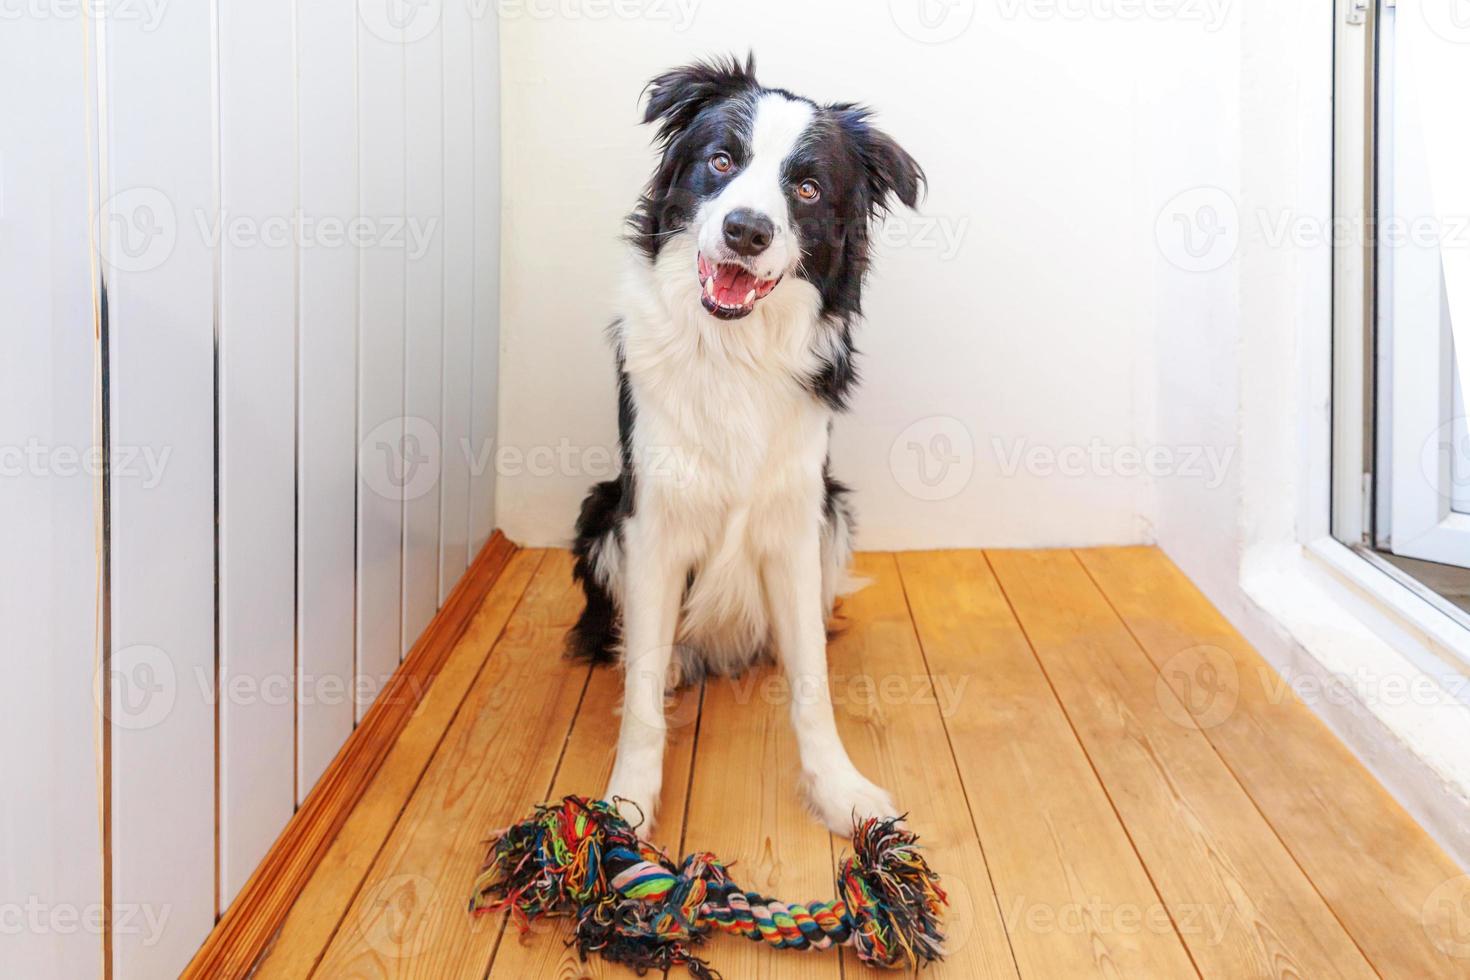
[890, 171]
[677, 96]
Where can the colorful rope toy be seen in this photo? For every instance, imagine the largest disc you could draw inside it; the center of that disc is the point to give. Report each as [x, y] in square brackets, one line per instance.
[634, 906]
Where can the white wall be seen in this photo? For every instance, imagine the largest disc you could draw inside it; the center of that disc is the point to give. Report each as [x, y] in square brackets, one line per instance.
[255, 244]
[1234, 327]
[50, 836]
[1039, 131]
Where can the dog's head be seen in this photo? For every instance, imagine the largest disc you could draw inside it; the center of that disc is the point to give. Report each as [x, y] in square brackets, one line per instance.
[768, 184]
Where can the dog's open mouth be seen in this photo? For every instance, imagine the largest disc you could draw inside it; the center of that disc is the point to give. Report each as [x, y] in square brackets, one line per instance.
[730, 291]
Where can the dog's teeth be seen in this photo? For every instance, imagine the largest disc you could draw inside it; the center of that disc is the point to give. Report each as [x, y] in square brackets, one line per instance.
[750, 297]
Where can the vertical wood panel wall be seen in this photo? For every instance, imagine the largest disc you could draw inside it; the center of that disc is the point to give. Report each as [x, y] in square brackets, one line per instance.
[158, 144]
[326, 474]
[250, 255]
[50, 858]
[257, 298]
[381, 314]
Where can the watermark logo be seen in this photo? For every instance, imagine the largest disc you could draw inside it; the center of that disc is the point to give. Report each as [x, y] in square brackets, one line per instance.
[675, 707]
[34, 458]
[406, 233]
[1211, 14]
[1445, 917]
[934, 458]
[942, 235]
[1208, 464]
[143, 687]
[1199, 229]
[1345, 689]
[1444, 459]
[1449, 19]
[146, 13]
[400, 459]
[679, 13]
[37, 917]
[400, 21]
[137, 229]
[391, 914]
[1198, 688]
[932, 21]
[865, 693]
[1096, 917]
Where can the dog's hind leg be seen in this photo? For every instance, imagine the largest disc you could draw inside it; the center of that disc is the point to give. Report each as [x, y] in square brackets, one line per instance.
[599, 568]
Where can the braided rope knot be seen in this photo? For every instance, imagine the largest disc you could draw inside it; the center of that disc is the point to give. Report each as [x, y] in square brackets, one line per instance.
[633, 905]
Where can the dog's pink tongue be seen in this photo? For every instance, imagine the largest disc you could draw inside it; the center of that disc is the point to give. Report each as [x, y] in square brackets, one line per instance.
[732, 285]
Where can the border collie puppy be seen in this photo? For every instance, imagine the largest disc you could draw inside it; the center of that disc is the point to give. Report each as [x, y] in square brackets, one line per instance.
[726, 539]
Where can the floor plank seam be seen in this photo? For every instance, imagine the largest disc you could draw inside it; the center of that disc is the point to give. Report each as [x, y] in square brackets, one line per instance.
[903, 588]
[689, 784]
[1138, 642]
[1107, 794]
[438, 743]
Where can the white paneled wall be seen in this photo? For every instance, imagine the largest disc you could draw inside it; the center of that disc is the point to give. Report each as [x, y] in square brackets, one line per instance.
[326, 475]
[256, 298]
[255, 243]
[485, 72]
[462, 272]
[157, 160]
[381, 100]
[423, 350]
[50, 858]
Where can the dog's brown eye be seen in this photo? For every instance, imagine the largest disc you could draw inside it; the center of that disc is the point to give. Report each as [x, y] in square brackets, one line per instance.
[722, 163]
[808, 190]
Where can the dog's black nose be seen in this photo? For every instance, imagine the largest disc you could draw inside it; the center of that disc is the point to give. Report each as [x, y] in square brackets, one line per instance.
[748, 232]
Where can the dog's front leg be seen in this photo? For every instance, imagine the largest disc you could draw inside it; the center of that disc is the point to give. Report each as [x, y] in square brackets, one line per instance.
[833, 785]
[652, 592]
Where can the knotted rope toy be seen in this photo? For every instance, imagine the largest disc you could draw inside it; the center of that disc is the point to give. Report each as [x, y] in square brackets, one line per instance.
[635, 906]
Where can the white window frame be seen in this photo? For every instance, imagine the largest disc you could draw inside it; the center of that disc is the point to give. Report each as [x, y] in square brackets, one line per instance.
[1418, 515]
[1338, 538]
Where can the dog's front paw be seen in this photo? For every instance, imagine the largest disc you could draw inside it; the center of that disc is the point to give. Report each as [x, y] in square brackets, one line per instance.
[636, 801]
[838, 797]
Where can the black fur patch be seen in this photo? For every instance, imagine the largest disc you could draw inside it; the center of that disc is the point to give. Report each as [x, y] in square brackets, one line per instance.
[600, 524]
[835, 380]
[596, 633]
[834, 495]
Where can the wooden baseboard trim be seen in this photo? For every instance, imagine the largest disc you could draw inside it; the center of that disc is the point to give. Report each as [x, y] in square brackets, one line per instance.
[246, 929]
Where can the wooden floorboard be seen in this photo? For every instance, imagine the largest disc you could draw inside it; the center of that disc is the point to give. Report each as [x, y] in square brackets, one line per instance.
[1039, 715]
[1241, 903]
[497, 759]
[1066, 876]
[890, 714]
[1377, 869]
[542, 951]
[745, 808]
[318, 911]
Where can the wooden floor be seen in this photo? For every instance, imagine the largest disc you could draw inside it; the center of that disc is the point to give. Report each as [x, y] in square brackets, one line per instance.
[1110, 780]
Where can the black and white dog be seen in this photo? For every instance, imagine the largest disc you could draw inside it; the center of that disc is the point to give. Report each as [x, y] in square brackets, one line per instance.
[734, 351]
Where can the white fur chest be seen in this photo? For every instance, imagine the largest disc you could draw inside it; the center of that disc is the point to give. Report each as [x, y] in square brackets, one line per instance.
[729, 444]
[722, 404]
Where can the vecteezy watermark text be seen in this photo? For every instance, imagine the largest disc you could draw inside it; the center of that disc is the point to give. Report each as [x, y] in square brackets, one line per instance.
[37, 917]
[39, 459]
[1209, 464]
